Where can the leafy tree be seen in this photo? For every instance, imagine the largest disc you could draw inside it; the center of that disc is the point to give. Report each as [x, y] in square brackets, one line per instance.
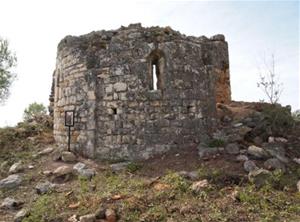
[269, 81]
[34, 111]
[7, 61]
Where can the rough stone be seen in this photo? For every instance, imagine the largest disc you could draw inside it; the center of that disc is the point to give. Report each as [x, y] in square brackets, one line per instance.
[205, 152]
[106, 77]
[87, 173]
[10, 203]
[79, 166]
[110, 215]
[62, 174]
[192, 175]
[232, 148]
[44, 187]
[119, 166]
[88, 218]
[20, 215]
[274, 164]
[298, 186]
[46, 151]
[242, 158]
[16, 167]
[199, 185]
[259, 177]
[257, 152]
[68, 157]
[249, 166]
[10, 182]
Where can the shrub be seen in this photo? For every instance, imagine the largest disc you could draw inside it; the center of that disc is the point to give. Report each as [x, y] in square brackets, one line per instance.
[277, 120]
[34, 111]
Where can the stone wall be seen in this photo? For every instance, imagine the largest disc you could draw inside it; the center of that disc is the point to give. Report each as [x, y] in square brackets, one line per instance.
[107, 78]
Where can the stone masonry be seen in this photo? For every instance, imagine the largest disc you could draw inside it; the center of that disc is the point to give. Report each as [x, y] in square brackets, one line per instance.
[138, 91]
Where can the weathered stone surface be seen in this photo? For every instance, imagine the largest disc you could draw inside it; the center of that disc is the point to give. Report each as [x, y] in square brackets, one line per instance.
[88, 218]
[79, 166]
[110, 215]
[68, 157]
[232, 148]
[192, 175]
[119, 166]
[16, 167]
[259, 177]
[298, 186]
[62, 173]
[199, 185]
[12, 181]
[257, 152]
[87, 173]
[44, 187]
[249, 166]
[241, 158]
[46, 151]
[10, 203]
[274, 164]
[106, 77]
[20, 215]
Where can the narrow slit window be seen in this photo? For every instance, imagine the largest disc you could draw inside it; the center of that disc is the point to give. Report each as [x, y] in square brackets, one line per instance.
[154, 76]
[156, 70]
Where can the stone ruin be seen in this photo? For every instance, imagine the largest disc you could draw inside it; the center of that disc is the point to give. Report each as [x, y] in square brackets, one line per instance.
[137, 91]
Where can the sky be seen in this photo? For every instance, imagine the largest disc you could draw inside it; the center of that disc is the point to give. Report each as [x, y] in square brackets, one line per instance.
[254, 31]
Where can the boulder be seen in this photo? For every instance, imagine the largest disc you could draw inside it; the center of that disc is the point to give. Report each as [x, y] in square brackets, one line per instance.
[79, 166]
[44, 187]
[87, 173]
[192, 175]
[100, 213]
[259, 177]
[241, 158]
[10, 204]
[88, 218]
[257, 152]
[232, 148]
[12, 181]
[62, 174]
[110, 215]
[199, 185]
[68, 157]
[46, 151]
[205, 152]
[297, 160]
[249, 166]
[119, 166]
[274, 164]
[20, 215]
[63, 170]
[16, 167]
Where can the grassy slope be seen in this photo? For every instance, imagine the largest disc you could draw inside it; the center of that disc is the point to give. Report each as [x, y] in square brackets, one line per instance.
[137, 197]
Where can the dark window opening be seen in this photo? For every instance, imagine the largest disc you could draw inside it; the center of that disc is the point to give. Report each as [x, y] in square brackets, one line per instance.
[190, 109]
[114, 111]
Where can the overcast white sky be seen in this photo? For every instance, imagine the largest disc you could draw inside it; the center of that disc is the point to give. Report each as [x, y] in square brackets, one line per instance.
[252, 28]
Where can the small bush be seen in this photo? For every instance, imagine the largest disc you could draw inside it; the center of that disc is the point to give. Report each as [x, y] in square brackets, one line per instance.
[296, 115]
[133, 167]
[34, 111]
[277, 120]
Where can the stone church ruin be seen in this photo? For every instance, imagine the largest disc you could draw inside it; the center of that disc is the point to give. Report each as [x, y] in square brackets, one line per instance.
[137, 91]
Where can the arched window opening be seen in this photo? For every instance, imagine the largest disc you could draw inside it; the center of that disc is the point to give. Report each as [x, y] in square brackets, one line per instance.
[156, 70]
